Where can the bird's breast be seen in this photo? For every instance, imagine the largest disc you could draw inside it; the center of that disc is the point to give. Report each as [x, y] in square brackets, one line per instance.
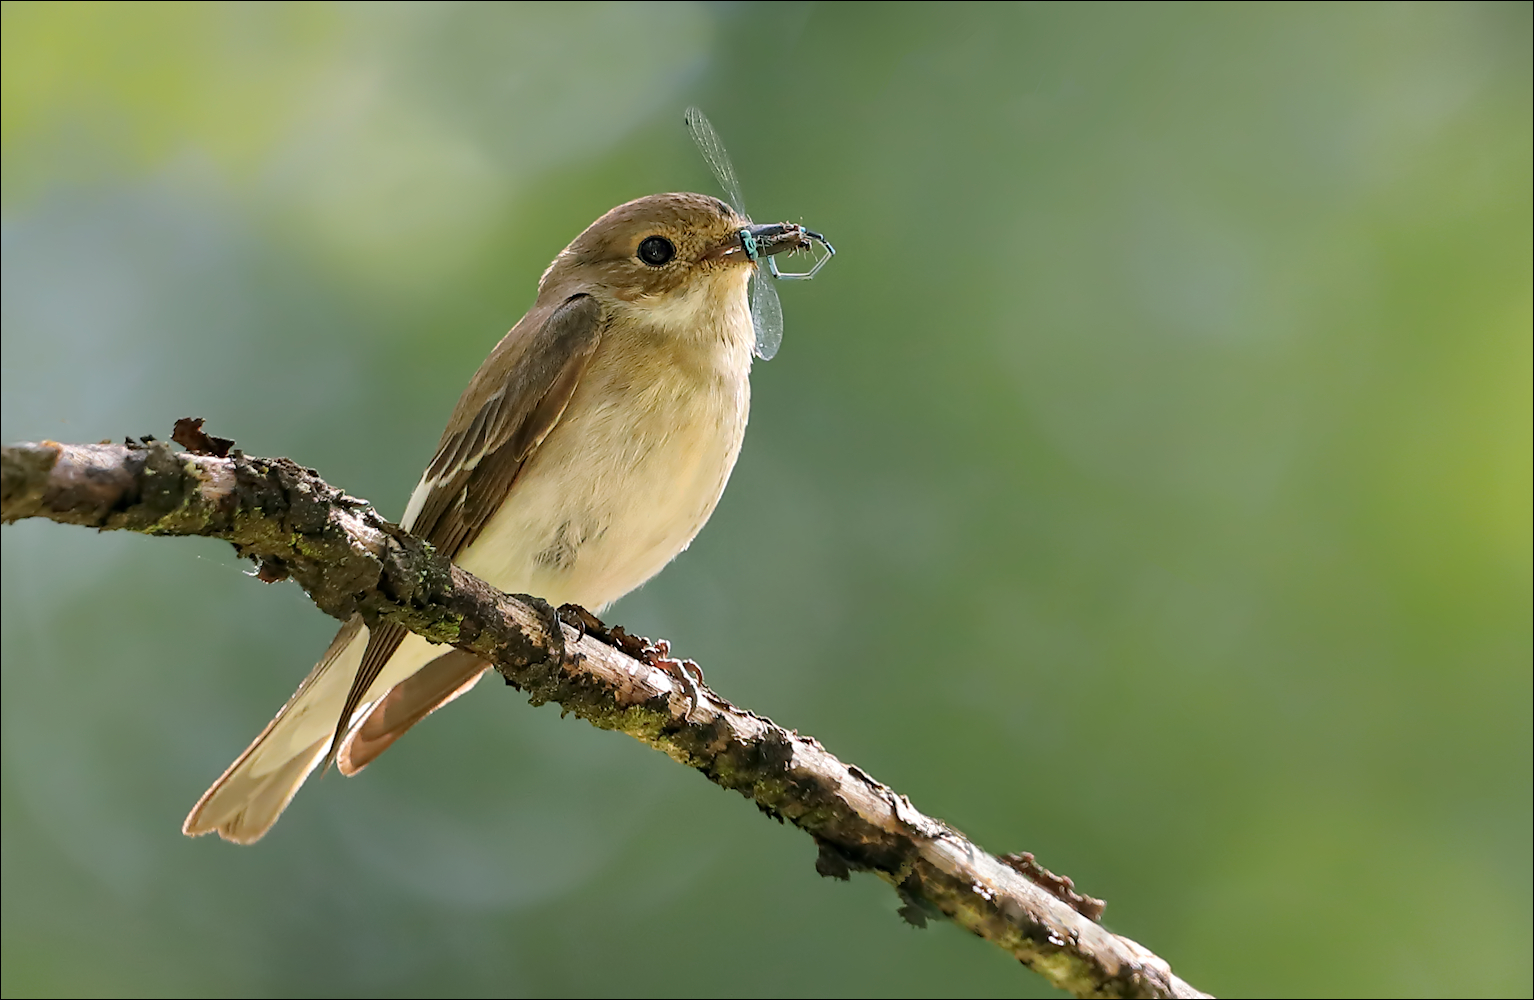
[631, 471]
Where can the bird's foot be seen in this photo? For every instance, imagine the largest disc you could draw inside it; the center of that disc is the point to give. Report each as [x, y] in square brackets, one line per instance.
[687, 672]
[583, 621]
[689, 675]
[553, 622]
[652, 652]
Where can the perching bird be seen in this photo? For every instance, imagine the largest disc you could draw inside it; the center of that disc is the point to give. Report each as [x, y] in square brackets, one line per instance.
[587, 451]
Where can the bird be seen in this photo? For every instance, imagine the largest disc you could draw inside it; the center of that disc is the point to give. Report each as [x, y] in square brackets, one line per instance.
[586, 452]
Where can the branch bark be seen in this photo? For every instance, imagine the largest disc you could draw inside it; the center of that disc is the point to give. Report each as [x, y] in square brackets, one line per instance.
[349, 559]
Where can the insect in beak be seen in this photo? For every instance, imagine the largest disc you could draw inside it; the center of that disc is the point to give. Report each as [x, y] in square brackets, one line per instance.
[763, 241]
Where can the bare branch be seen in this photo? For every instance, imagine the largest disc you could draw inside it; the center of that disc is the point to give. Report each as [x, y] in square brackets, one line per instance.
[349, 560]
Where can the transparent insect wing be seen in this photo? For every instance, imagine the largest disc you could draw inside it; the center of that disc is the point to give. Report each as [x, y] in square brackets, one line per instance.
[766, 316]
[766, 310]
[717, 159]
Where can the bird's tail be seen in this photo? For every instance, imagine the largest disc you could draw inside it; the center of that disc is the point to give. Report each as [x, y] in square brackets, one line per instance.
[244, 803]
[377, 727]
[418, 679]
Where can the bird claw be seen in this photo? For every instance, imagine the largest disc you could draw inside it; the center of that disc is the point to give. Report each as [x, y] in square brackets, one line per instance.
[583, 621]
[553, 622]
[687, 672]
[651, 652]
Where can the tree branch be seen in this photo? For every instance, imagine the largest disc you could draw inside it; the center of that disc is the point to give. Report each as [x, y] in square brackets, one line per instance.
[350, 560]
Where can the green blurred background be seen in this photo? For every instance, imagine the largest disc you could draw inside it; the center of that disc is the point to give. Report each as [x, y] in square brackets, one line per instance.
[1146, 484]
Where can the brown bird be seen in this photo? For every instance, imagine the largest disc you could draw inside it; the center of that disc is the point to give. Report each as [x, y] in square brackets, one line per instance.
[586, 452]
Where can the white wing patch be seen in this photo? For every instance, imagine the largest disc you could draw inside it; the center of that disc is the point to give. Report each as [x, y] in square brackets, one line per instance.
[484, 435]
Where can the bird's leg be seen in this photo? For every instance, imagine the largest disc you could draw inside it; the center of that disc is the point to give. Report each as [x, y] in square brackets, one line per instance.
[554, 623]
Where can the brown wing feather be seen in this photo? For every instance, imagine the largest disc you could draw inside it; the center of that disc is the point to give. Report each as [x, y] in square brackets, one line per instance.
[494, 430]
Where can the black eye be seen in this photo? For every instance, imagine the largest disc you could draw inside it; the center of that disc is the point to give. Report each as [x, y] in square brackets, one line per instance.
[656, 250]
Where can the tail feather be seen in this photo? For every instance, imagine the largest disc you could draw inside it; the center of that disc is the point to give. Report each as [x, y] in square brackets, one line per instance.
[250, 804]
[408, 702]
[247, 799]
[415, 681]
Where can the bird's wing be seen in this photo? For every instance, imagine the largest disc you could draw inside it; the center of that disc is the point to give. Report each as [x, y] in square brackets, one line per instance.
[501, 418]
[508, 409]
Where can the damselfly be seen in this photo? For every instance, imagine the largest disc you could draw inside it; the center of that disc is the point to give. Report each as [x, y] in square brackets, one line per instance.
[766, 310]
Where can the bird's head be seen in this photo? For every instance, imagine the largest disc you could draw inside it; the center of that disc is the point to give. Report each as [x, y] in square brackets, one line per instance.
[657, 247]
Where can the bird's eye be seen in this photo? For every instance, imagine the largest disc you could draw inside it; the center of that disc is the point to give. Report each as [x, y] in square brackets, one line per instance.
[656, 250]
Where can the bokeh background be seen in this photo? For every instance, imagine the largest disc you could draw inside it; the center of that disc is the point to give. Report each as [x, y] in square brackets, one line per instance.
[1146, 484]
